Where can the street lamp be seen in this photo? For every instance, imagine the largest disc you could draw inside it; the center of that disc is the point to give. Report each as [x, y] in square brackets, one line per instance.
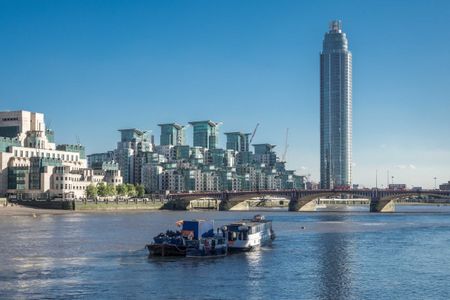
[435, 182]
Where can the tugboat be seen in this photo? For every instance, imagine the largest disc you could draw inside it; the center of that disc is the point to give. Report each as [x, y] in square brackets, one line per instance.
[248, 234]
[175, 243]
[209, 246]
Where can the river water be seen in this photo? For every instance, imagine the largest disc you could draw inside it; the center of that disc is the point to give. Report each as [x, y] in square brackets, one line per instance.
[335, 256]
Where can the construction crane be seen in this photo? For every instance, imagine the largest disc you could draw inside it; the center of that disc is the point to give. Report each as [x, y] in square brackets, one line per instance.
[254, 132]
[286, 146]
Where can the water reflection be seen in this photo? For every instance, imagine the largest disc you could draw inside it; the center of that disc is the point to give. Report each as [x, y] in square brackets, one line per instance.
[334, 261]
[255, 273]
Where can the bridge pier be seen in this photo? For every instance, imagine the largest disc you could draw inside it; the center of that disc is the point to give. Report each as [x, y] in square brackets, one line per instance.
[382, 205]
[304, 202]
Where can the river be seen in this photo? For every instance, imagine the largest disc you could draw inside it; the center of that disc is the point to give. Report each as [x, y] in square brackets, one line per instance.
[322, 255]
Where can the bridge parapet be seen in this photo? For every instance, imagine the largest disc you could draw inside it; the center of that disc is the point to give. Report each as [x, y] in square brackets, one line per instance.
[302, 200]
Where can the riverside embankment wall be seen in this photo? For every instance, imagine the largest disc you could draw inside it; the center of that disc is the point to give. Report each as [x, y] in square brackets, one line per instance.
[133, 204]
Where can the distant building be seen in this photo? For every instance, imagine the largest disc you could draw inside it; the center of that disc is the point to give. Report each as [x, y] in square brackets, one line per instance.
[97, 159]
[445, 186]
[335, 109]
[238, 141]
[264, 154]
[15, 124]
[174, 167]
[206, 134]
[171, 134]
[32, 166]
[131, 143]
[397, 186]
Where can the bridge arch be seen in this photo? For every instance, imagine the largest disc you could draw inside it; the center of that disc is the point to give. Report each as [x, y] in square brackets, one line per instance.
[234, 200]
[306, 201]
[386, 203]
[184, 201]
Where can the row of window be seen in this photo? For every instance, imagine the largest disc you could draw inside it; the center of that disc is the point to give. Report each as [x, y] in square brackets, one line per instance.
[67, 178]
[25, 153]
[69, 186]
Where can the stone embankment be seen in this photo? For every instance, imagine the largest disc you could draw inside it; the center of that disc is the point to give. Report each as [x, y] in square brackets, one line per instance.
[127, 204]
[92, 205]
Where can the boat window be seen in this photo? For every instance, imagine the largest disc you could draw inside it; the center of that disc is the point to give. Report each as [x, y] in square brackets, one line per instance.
[232, 236]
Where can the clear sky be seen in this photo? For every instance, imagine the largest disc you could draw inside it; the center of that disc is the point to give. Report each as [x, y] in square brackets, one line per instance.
[95, 66]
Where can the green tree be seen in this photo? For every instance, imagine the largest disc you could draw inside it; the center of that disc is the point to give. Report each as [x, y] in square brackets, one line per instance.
[111, 188]
[102, 189]
[131, 190]
[122, 189]
[91, 191]
[140, 190]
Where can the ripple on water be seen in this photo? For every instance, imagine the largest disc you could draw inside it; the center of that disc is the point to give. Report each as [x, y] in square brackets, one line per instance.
[316, 255]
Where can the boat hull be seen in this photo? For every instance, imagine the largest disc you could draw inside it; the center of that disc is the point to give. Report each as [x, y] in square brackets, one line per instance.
[247, 248]
[196, 253]
[166, 250]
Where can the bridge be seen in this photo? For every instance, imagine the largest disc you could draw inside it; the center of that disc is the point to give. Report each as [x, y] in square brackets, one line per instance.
[380, 200]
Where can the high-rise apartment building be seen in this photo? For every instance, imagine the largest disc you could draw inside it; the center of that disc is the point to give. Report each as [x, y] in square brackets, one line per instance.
[238, 141]
[335, 109]
[206, 134]
[171, 134]
[132, 142]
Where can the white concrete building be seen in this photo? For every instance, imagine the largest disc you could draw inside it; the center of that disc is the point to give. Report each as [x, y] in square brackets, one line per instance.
[33, 166]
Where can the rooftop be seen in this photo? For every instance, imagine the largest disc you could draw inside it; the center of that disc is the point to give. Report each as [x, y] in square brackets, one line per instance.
[176, 125]
[238, 132]
[209, 122]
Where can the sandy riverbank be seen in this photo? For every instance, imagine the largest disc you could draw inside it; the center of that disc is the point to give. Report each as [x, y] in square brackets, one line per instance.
[18, 210]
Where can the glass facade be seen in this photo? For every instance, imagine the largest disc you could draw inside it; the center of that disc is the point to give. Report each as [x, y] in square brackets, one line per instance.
[5, 143]
[9, 131]
[335, 109]
[17, 178]
[73, 148]
[206, 134]
[171, 134]
[238, 141]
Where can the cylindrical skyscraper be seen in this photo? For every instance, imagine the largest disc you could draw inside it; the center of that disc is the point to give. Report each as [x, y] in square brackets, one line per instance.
[335, 109]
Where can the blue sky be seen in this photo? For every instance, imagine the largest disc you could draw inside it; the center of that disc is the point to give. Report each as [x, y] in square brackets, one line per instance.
[96, 66]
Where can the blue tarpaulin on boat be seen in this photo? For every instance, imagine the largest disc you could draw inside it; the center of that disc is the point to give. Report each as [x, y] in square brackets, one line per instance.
[200, 228]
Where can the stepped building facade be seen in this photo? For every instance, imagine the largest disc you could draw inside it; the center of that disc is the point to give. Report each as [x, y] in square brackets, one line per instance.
[33, 166]
[174, 166]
